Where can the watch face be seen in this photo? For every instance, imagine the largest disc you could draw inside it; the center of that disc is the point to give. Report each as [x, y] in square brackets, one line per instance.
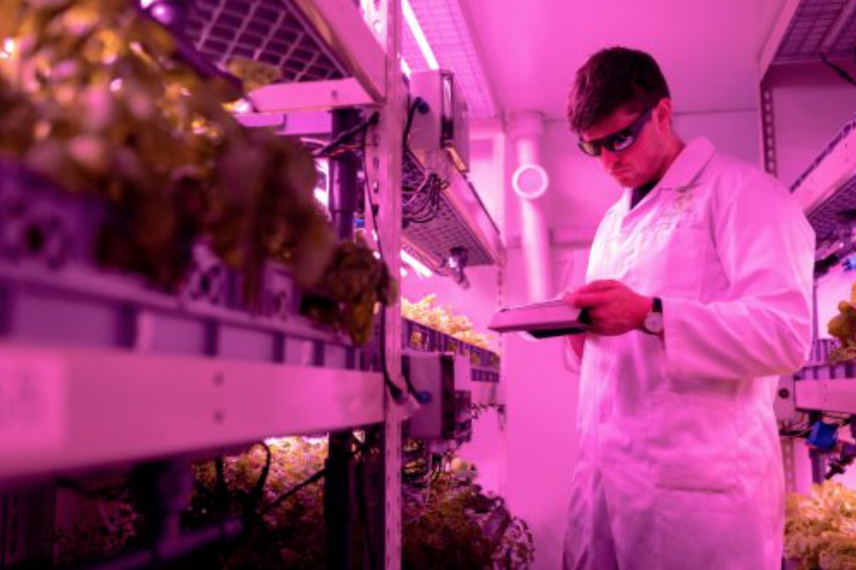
[654, 323]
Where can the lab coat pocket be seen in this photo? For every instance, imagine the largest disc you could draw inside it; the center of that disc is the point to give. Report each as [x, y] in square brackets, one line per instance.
[676, 257]
[696, 448]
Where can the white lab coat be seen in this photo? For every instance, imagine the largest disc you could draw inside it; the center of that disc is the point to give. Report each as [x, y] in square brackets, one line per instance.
[679, 459]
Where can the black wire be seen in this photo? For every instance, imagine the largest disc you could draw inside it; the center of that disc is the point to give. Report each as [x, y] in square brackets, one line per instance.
[257, 492]
[314, 478]
[430, 209]
[397, 393]
[362, 127]
[841, 72]
[417, 193]
[420, 104]
[425, 192]
[394, 390]
[427, 203]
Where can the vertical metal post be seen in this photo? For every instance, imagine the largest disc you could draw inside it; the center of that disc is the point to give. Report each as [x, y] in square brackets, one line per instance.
[26, 529]
[384, 168]
[339, 501]
[381, 479]
[344, 167]
[789, 465]
[815, 326]
[768, 130]
[339, 497]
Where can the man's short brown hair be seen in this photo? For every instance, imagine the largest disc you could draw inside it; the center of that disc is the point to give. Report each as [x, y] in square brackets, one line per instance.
[611, 79]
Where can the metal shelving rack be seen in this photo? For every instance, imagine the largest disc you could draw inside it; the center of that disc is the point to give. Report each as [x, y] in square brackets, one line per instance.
[124, 374]
[828, 186]
[328, 55]
[806, 31]
[462, 221]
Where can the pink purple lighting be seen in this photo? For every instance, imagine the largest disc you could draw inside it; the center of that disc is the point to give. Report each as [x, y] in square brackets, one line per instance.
[419, 35]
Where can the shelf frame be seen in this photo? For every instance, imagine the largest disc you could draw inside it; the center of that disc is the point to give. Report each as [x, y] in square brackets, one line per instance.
[74, 409]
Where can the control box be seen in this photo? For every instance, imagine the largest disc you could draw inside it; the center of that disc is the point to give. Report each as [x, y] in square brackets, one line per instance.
[445, 127]
[445, 382]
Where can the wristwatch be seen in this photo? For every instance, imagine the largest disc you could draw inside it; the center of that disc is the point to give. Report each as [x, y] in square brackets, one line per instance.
[654, 320]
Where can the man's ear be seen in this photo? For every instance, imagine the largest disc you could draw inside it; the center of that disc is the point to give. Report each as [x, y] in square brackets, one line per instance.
[663, 113]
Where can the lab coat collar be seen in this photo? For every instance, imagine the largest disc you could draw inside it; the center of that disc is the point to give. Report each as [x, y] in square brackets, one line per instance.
[685, 171]
[682, 174]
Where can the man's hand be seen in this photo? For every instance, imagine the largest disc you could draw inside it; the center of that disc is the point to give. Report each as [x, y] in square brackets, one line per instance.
[613, 307]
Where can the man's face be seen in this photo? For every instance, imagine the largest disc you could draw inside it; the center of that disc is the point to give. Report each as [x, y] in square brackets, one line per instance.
[642, 161]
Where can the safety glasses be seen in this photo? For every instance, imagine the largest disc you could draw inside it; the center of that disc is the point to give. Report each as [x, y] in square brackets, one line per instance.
[618, 141]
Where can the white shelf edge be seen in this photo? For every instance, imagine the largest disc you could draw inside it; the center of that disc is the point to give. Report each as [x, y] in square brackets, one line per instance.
[70, 409]
[465, 200]
[310, 96]
[826, 395]
[834, 170]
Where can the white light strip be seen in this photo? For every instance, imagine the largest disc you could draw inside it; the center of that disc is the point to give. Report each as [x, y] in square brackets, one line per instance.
[419, 35]
[417, 265]
[405, 68]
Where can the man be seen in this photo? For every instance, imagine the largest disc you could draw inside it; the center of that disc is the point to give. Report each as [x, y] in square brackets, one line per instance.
[698, 289]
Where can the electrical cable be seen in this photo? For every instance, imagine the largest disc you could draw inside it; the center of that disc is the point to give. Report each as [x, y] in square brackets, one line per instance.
[397, 394]
[416, 194]
[314, 478]
[257, 493]
[337, 142]
[418, 104]
[840, 71]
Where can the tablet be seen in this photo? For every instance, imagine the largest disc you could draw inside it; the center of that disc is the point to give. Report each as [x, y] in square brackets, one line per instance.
[541, 320]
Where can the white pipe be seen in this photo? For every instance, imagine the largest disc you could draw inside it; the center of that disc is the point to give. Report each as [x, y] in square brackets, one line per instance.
[530, 182]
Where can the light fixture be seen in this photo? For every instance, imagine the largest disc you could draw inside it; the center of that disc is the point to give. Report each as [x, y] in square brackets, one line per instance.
[322, 189]
[530, 181]
[419, 35]
[457, 262]
[171, 13]
[405, 68]
[242, 106]
[9, 46]
[322, 196]
[417, 266]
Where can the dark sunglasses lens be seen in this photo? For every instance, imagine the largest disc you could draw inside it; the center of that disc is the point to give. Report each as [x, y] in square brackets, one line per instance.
[619, 142]
[590, 148]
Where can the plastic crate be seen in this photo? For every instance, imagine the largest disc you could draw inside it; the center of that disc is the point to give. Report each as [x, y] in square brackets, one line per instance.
[53, 292]
[484, 363]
